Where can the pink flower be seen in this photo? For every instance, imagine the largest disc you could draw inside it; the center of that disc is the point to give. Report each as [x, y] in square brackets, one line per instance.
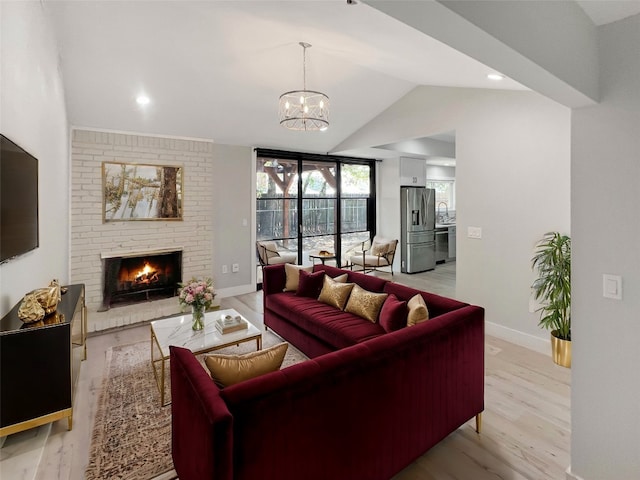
[197, 292]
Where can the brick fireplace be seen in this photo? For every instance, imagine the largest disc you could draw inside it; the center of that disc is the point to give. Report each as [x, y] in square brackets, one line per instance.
[140, 277]
[93, 240]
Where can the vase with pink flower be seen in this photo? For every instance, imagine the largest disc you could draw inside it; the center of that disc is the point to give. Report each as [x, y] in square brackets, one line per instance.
[199, 295]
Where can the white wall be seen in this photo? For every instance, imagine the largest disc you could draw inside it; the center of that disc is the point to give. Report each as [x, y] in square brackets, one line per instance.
[33, 115]
[388, 203]
[606, 227]
[512, 180]
[233, 202]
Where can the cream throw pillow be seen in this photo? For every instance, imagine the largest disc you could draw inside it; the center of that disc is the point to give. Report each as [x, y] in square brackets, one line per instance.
[341, 278]
[365, 304]
[293, 276]
[380, 248]
[335, 293]
[230, 369]
[271, 249]
[418, 311]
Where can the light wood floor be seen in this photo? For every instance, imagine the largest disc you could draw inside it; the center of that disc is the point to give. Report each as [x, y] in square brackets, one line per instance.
[526, 429]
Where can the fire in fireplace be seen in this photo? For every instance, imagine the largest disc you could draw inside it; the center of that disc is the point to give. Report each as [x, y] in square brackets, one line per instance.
[132, 279]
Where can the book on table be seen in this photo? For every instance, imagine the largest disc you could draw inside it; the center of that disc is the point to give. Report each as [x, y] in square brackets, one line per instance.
[228, 324]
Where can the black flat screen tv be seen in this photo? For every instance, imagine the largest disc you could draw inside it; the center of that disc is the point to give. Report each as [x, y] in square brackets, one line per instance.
[18, 201]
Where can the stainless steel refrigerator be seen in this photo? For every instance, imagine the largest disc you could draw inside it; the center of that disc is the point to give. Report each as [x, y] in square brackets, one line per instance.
[418, 223]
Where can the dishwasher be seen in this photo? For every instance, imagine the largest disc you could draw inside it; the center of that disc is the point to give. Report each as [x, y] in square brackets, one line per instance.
[442, 244]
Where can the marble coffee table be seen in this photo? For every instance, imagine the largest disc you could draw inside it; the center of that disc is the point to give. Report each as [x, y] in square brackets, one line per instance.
[177, 331]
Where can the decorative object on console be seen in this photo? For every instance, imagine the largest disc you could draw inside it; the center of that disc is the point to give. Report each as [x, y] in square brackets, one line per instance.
[30, 309]
[49, 297]
[40, 302]
[199, 295]
[552, 261]
[304, 109]
[141, 192]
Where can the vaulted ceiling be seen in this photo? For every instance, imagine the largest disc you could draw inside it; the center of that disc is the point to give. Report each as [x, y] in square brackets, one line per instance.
[215, 69]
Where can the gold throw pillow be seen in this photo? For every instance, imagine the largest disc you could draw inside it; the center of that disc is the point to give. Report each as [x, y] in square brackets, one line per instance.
[365, 304]
[418, 311]
[293, 276]
[335, 293]
[231, 369]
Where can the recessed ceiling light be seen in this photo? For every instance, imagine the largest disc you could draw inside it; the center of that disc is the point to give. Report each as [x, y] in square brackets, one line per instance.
[142, 100]
[495, 76]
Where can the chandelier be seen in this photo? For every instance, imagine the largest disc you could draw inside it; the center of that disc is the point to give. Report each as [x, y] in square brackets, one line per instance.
[304, 109]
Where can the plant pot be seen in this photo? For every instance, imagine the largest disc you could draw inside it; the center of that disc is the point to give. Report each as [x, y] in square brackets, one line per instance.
[560, 350]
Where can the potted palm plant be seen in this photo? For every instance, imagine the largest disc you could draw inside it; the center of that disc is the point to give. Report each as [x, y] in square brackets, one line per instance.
[552, 288]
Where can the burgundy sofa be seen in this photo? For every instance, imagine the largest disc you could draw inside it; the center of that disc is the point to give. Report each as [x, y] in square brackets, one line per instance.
[359, 411]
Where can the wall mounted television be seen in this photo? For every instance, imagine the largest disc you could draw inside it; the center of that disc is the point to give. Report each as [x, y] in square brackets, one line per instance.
[19, 231]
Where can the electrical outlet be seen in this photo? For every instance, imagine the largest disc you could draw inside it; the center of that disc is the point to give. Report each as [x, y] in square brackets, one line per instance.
[235, 268]
[225, 268]
[474, 232]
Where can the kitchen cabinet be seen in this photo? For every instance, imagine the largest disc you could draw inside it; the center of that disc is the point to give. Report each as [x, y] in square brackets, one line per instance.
[413, 172]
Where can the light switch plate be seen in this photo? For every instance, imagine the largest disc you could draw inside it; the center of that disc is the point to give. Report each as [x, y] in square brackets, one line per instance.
[612, 286]
[474, 232]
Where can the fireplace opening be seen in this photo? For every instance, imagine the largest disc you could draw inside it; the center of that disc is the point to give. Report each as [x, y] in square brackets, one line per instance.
[133, 279]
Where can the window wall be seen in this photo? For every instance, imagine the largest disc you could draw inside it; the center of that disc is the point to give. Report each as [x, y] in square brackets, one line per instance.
[312, 203]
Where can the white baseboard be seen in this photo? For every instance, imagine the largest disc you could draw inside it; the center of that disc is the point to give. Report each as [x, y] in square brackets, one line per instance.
[571, 476]
[233, 291]
[526, 340]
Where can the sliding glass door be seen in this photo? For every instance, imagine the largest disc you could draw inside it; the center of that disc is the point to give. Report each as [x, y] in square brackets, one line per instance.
[314, 203]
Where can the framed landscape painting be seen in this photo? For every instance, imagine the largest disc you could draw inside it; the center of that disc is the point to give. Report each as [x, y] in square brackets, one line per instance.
[135, 191]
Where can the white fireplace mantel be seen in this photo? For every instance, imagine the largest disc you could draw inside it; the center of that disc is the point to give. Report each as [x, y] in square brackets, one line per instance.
[129, 253]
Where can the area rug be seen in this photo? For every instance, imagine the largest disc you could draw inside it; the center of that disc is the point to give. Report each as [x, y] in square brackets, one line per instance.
[131, 438]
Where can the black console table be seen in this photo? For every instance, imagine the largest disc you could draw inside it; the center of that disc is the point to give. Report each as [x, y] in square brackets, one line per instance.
[40, 362]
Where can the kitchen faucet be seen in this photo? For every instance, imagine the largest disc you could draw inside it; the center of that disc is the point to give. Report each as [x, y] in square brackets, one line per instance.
[446, 210]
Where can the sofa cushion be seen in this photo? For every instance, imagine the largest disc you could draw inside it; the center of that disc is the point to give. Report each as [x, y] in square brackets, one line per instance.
[292, 273]
[393, 314]
[310, 284]
[437, 304]
[335, 293]
[334, 327]
[368, 282]
[230, 369]
[418, 311]
[364, 303]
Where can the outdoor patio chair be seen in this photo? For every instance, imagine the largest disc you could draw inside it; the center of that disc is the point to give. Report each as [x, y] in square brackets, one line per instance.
[372, 255]
[268, 254]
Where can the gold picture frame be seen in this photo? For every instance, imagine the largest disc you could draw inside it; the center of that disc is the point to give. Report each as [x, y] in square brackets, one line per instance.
[140, 191]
